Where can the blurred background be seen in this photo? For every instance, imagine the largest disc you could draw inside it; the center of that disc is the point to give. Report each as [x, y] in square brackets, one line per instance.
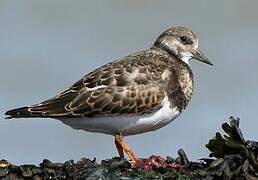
[45, 46]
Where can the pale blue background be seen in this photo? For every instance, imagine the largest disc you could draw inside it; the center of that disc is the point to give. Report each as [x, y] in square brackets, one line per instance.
[46, 45]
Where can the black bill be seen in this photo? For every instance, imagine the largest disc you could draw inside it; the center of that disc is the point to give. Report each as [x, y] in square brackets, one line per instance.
[198, 55]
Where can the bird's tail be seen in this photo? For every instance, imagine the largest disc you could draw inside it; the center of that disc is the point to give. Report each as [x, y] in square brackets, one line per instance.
[53, 107]
[18, 113]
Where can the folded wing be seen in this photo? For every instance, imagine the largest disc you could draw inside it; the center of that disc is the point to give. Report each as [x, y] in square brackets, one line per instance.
[128, 86]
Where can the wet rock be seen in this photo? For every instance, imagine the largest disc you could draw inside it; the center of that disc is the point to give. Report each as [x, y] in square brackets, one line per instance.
[3, 172]
[36, 171]
[37, 178]
[3, 163]
[25, 171]
[47, 164]
[98, 172]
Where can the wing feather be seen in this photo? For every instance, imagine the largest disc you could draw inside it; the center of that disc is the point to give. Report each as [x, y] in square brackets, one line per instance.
[128, 86]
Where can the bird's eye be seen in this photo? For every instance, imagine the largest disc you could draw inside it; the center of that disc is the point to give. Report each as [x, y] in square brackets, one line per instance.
[183, 39]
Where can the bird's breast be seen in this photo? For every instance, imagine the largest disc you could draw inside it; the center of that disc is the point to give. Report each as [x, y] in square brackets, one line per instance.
[186, 83]
[179, 85]
[127, 125]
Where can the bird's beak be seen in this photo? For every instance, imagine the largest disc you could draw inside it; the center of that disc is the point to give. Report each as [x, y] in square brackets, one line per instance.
[198, 55]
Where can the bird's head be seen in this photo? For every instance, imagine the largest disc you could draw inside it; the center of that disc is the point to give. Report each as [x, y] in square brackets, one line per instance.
[182, 43]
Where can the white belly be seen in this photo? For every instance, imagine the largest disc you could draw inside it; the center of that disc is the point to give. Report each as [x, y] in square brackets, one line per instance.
[127, 125]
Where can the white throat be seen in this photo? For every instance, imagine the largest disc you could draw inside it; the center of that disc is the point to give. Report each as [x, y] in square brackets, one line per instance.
[186, 57]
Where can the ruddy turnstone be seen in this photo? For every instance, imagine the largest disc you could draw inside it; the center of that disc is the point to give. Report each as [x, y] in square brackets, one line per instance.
[139, 93]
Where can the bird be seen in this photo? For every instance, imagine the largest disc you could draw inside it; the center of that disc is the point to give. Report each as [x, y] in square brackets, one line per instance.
[138, 93]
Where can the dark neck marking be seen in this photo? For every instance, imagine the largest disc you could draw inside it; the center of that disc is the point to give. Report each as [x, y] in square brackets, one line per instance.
[158, 45]
[180, 86]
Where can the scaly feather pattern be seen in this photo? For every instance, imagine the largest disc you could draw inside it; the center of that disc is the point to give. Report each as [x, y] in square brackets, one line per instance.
[135, 84]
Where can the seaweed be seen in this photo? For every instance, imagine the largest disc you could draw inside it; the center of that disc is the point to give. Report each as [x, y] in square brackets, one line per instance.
[231, 157]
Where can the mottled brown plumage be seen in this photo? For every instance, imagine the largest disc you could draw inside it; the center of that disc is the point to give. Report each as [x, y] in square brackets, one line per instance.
[132, 85]
[135, 84]
[139, 93]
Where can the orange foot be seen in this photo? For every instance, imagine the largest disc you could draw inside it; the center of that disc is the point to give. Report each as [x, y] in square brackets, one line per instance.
[122, 147]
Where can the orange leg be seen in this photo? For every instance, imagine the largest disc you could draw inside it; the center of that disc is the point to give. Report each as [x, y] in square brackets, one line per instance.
[119, 149]
[122, 146]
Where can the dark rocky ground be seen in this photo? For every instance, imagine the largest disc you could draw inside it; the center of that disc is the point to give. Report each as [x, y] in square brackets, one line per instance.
[231, 157]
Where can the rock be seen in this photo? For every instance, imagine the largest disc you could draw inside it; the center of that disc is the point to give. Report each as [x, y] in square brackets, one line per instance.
[25, 171]
[3, 172]
[233, 157]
